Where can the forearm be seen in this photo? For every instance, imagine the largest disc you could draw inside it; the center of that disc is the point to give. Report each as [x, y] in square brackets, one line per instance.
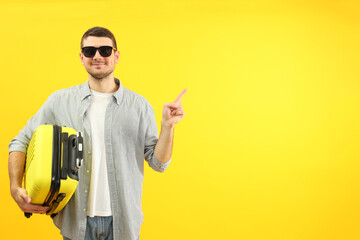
[172, 114]
[16, 169]
[164, 146]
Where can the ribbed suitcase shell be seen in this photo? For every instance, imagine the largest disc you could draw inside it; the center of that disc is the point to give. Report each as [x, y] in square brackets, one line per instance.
[39, 172]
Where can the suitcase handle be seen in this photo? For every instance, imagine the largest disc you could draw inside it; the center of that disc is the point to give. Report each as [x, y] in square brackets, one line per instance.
[80, 155]
[65, 155]
[72, 155]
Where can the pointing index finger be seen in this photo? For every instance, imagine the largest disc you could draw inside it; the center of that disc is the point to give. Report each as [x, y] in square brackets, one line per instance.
[180, 96]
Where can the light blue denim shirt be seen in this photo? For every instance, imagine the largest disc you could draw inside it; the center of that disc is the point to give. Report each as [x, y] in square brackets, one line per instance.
[130, 136]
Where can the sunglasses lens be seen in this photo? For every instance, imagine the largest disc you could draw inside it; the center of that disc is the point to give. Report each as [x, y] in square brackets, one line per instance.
[105, 51]
[89, 51]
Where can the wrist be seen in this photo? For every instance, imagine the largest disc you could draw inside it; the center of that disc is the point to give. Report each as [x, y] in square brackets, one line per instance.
[14, 189]
[167, 126]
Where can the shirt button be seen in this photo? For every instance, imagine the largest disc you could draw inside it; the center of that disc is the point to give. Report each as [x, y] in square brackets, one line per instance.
[87, 171]
[86, 191]
[89, 153]
[84, 209]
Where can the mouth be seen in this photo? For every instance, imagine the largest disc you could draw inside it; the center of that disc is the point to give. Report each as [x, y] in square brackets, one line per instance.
[98, 64]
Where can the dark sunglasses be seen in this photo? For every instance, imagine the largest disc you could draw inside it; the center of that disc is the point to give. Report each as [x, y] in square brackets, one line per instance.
[105, 51]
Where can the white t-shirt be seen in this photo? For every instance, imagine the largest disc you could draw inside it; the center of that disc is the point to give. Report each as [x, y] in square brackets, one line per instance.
[99, 195]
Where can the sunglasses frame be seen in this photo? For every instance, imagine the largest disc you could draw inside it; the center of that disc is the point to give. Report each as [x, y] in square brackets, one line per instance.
[97, 50]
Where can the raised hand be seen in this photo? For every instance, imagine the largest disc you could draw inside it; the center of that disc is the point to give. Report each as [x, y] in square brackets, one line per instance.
[173, 112]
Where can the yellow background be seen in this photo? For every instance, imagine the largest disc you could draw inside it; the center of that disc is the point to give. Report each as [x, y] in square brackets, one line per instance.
[269, 146]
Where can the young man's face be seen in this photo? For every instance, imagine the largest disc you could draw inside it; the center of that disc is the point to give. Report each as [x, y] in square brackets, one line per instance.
[98, 66]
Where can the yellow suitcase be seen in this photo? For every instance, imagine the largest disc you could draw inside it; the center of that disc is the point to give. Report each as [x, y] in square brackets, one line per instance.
[53, 159]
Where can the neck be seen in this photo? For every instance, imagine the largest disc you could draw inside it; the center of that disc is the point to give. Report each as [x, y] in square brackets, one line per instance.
[104, 85]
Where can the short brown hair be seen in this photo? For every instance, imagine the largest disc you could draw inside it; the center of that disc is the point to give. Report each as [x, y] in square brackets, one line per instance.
[98, 32]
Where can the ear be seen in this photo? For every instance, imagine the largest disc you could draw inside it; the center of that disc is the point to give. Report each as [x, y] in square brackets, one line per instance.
[117, 56]
[81, 58]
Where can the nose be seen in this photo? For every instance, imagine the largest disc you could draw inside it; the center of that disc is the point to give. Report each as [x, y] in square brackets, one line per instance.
[97, 54]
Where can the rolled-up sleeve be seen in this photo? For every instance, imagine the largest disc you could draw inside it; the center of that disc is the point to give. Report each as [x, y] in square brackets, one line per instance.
[151, 138]
[43, 116]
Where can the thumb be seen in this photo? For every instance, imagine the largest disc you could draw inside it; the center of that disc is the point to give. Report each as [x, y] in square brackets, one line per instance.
[171, 105]
[26, 197]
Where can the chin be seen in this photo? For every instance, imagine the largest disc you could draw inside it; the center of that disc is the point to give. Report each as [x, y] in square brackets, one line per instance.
[99, 76]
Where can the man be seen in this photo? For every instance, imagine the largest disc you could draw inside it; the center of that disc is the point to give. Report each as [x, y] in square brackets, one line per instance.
[119, 132]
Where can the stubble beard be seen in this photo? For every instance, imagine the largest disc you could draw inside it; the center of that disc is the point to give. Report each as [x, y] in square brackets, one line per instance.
[100, 76]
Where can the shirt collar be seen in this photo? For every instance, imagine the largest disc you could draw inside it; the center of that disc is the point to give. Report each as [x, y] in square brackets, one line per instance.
[120, 92]
[85, 91]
